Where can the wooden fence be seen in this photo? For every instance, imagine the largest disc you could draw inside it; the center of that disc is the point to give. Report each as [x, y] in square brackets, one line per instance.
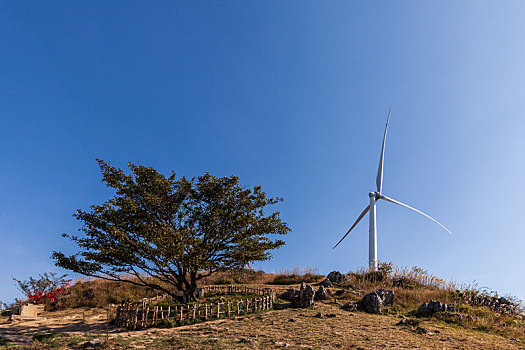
[144, 314]
[135, 316]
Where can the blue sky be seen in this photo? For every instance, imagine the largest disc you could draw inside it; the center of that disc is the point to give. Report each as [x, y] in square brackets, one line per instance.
[292, 96]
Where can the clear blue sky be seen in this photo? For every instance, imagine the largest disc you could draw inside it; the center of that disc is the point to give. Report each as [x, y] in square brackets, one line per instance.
[289, 95]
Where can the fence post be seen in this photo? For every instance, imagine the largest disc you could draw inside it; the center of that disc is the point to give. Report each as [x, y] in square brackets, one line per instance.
[218, 310]
[146, 316]
[194, 310]
[135, 317]
[117, 315]
[229, 314]
[126, 315]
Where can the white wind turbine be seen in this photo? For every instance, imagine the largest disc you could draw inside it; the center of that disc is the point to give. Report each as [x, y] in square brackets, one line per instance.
[374, 197]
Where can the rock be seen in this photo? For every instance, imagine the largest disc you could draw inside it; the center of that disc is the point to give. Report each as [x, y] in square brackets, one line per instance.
[246, 341]
[280, 344]
[325, 283]
[427, 309]
[290, 294]
[305, 297]
[387, 296]
[280, 307]
[421, 330]
[331, 315]
[407, 322]
[291, 320]
[373, 301]
[349, 306]
[318, 315]
[335, 277]
[95, 343]
[321, 294]
[403, 322]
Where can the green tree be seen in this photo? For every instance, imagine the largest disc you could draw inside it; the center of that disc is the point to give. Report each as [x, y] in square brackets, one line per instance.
[163, 232]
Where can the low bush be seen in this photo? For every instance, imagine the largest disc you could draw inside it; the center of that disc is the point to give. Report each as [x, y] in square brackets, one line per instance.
[45, 289]
[236, 276]
[297, 279]
[100, 293]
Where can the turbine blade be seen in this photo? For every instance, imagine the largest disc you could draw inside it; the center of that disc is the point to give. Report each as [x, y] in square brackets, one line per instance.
[414, 209]
[355, 223]
[379, 179]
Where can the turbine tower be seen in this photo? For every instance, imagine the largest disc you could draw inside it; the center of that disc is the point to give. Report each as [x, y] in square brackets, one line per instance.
[374, 198]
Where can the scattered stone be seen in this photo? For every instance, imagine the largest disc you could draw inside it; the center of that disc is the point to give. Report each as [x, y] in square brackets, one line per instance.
[305, 297]
[318, 315]
[95, 343]
[245, 341]
[326, 283]
[421, 330]
[403, 322]
[335, 277]
[373, 301]
[321, 294]
[407, 322]
[280, 306]
[291, 320]
[387, 296]
[427, 309]
[502, 305]
[350, 306]
[331, 315]
[290, 294]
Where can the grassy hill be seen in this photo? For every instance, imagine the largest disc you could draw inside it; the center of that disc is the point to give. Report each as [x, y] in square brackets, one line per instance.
[478, 320]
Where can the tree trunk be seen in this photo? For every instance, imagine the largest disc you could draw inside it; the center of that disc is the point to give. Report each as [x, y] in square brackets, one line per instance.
[189, 293]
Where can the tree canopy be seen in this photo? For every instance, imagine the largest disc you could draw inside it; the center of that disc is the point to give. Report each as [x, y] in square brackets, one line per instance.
[163, 232]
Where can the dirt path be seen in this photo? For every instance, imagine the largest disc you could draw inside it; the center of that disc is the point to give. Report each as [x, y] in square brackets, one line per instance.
[296, 328]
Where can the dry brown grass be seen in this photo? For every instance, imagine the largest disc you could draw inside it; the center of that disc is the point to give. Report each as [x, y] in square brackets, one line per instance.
[90, 292]
[412, 287]
[268, 330]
